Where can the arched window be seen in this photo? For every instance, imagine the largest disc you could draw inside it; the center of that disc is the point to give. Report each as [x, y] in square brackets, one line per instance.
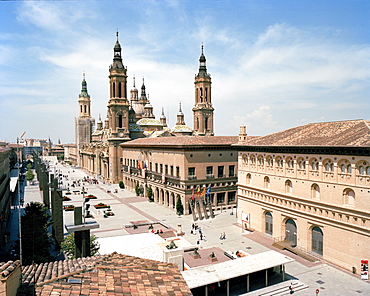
[260, 160]
[361, 170]
[289, 163]
[120, 121]
[248, 179]
[315, 191]
[270, 161]
[245, 159]
[314, 164]
[268, 223]
[317, 240]
[302, 164]
[279, 162]
[368, 171]
[288, 186]
[349, 169]
[253, 159]
[349, 197]
[114, 90]
[266, 182]
[119, 90]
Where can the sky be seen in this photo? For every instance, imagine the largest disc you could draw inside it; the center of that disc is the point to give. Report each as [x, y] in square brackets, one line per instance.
[274, 64]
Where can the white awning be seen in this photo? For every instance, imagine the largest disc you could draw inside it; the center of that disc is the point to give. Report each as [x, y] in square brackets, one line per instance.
[209, 274]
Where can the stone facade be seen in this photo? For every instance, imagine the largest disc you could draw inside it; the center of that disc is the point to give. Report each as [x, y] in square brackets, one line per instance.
[310, 186]
[181, 167]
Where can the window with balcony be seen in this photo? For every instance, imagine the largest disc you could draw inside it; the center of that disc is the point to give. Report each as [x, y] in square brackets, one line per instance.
[191, 173]
[231, 196]
[171, 170]
[178, 172]
[166, 169]
[209, 172]
[231, 170]
[220, 172]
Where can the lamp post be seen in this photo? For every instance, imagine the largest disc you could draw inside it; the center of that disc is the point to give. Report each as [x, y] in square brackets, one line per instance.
[19, 199]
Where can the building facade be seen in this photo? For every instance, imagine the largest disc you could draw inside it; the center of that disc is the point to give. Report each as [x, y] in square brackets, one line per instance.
[309, 186]
[196, 170]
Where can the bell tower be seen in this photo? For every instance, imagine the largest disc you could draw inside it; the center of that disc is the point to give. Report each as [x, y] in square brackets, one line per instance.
[84, 122]
[118, 105]
[203, 110]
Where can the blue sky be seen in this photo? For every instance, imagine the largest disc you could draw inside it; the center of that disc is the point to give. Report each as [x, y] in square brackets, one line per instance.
[274, 64]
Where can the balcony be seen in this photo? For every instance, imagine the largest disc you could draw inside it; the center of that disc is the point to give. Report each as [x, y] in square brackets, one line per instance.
[192, 177]
[221, 176]
[210, 176]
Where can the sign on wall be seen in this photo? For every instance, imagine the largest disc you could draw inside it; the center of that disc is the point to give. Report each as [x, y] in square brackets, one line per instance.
[364, 269]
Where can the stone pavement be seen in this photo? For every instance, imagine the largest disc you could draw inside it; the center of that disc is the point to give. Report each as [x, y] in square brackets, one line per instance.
[329, 279]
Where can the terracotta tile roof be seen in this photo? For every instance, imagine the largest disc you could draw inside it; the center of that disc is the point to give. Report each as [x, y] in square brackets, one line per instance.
[6, 268]
[183, 141]
[335, 133]
[113, 274]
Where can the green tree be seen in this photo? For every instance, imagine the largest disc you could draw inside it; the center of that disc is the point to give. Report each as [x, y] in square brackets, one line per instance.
[68, 246]
[137, 189]
[121, 185]
[29, 166]
[150, 193]
[36, 242]
[29, 175]
[179, 206]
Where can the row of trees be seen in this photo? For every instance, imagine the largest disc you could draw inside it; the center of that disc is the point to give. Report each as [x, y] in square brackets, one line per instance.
[139, 190]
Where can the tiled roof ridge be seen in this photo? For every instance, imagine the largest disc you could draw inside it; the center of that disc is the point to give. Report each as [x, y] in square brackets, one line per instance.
[55, 270]
[8, 267]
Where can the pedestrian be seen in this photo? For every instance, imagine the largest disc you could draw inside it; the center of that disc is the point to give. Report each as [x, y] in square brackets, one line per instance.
[221, 235]
[291, 288]
[201, 236]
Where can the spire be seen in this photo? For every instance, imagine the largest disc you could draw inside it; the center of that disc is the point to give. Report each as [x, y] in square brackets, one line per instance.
[180, 117]
[202, 63]
[143, 97]
[84, 87]
[117, 57]
[163, 118]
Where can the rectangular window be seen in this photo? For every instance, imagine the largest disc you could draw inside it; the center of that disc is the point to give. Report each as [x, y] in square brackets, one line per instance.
[156, 167]
[166, 169]
[150, 166]
[220, 197]
[221, 172]
[209, 172]
[178, 172]
[171, 170]
[161, 168]
[191, 173]
[231, 196]
[231, 170]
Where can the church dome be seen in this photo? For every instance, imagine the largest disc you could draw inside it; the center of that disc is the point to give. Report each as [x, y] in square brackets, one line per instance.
[181, 129]
[148, 121]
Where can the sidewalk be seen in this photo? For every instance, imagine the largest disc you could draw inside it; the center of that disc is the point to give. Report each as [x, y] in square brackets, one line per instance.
[127, 207]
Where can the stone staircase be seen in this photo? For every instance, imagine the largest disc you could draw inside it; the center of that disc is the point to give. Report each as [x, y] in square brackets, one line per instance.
[286, 245]
[279, 289]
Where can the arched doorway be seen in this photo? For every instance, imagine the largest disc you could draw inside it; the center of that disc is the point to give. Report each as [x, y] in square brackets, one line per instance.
[317, 240]
[268, 223]
[291, 232]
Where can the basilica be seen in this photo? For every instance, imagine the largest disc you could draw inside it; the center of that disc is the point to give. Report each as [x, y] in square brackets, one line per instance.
[132, 146]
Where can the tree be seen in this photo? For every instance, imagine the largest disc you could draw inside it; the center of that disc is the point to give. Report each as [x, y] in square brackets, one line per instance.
[30, 176]
[137, 189]
[68, 246]
[179, 206]
[121, 185]
[150, 193]
[36, 242]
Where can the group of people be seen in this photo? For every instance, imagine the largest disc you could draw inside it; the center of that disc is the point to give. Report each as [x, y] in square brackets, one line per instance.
[222, 235]
[157, 231]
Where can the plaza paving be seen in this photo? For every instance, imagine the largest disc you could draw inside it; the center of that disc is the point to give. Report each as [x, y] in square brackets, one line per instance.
[329, 279]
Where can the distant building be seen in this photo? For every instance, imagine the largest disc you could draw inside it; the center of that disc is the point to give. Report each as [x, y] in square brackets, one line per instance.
[309, 187]
[5, 193]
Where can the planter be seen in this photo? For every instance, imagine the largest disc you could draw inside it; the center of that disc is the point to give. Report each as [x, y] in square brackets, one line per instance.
[101, 206]
[91, 196]
[66, 198]
[69, 208]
